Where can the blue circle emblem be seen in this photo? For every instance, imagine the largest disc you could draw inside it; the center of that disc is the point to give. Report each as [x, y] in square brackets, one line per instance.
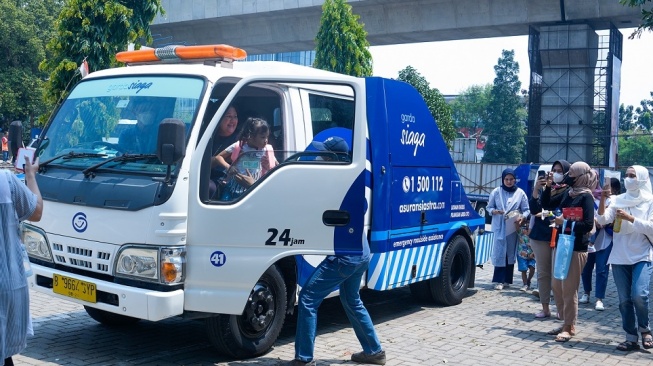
[79, 222]
[218, 258]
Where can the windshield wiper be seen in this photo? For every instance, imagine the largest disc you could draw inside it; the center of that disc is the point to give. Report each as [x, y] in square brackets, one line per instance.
[71, 155]
[121, 158]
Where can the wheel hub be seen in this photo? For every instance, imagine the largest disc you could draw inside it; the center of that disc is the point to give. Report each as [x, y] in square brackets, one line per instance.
[259, 311]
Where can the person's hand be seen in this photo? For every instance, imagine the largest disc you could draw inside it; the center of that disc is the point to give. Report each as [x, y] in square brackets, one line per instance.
[549, 179]
[31, 168]
[625, 215]
[606, 191]
[559, 220]
[245, 180]
[540, 182]
[498, 212]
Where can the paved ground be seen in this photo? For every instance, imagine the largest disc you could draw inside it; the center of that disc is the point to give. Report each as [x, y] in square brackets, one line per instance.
[488, 328]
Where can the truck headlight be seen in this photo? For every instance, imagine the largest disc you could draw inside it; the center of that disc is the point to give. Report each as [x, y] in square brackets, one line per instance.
[35, 242]
[164, 265]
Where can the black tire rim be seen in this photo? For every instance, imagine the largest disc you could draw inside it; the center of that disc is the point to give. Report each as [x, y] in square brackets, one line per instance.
[259, 311]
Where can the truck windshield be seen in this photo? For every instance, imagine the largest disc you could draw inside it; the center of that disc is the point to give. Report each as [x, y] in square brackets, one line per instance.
[110, 117]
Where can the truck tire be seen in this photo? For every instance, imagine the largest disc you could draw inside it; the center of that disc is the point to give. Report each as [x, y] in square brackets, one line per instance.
[451, 286]
[110, 319]
[252, 333]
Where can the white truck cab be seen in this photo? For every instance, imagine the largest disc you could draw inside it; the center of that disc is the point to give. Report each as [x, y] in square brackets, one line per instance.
[135, 226]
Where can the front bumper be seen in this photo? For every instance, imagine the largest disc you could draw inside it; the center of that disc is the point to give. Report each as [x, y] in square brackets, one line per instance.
[125, 300]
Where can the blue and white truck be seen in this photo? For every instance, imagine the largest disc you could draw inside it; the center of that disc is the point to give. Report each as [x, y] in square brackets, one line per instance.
[134, 235]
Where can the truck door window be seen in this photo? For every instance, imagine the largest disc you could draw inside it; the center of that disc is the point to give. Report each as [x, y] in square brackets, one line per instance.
[233, 174]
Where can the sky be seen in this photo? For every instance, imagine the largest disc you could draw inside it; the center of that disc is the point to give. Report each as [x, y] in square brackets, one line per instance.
[453, 66]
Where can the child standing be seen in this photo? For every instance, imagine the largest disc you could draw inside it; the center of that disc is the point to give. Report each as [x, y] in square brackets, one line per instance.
[525, 257]
[248, 159]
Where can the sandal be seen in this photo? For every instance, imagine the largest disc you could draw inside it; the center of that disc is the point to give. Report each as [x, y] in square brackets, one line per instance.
[627, 346]
[563, 337]
[555, 331]
[542, 315]
[647, 340]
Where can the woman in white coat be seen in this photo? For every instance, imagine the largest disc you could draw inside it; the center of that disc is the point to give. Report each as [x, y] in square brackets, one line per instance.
[505, 202]
[632, 253]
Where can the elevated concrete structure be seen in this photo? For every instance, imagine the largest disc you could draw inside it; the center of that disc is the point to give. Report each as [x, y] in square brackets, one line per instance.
[270, 26]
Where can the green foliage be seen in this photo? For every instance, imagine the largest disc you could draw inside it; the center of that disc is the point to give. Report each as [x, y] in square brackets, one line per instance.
[470, 108]
[439, 109]
[505, 126]
[341, 44]
[24, 30]
[637, 118]
[636, 148]
[94, 30]
[626, 117]
[647, 15]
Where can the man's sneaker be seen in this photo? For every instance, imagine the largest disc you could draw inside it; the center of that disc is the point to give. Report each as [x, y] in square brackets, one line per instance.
[300, 363]
[498, 286]
[373, 359]
[524, 288]
[536, 293]
[599, 305]
[584, 299]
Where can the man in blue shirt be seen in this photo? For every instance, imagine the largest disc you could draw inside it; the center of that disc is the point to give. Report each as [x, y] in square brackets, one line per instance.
[345, 271]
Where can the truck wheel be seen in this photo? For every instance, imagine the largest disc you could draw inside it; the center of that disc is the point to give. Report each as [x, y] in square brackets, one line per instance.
[451, 286]
[108, 318]
[252, 333]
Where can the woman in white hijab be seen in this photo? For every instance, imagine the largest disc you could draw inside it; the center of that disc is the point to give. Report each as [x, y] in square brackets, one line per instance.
[632, 253]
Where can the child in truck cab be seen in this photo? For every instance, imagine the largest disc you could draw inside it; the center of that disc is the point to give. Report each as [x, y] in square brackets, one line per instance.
[246, 160]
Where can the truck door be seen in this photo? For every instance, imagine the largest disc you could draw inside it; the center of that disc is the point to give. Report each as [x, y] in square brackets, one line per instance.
[312, 202]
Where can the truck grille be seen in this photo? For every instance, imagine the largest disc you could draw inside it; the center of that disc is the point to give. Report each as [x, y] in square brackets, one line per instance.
[77, 256]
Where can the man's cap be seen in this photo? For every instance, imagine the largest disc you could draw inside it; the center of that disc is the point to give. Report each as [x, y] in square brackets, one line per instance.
[334, 143]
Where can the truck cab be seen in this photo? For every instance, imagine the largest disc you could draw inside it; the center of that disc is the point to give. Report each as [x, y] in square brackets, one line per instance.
[135, 225]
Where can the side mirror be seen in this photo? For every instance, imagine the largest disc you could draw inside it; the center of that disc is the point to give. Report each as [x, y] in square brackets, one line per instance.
[171, 142]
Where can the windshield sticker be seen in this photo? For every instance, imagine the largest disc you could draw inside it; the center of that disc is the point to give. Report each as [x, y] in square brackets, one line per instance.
[164, 86]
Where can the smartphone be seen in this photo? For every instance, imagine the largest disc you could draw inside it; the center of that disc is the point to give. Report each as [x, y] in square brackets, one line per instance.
[541, 174]
[20, 157]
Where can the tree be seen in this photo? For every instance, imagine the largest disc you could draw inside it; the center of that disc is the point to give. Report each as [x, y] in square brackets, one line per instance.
[341, 44]
[636, 148]
[505, 126]
[470, 108]
[24, 30]
[647, 15]
[94, 30]
[626, 117]
[439, 109]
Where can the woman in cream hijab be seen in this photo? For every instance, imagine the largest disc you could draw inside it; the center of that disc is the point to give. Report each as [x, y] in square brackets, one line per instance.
[632, 253]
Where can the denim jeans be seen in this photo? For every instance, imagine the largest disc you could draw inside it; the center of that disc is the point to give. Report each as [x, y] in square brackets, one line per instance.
[333, 271]
[5, 155]
[599, 258]
[632, 281]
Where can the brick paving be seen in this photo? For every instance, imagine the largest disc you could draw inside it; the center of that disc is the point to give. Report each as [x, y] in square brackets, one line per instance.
[489, 328]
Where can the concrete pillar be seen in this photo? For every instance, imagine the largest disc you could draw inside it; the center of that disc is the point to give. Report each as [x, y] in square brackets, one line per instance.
[568, 54]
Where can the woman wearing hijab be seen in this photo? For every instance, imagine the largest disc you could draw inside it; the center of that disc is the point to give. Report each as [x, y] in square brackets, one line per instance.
[581, 180]
[504, 202]
[632, 253]
[598, 253]
[540, 236]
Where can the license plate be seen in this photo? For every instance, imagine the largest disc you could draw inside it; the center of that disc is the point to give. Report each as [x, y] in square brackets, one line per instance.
[77, 289]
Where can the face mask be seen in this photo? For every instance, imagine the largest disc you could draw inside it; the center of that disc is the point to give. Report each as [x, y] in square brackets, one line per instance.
[557, 178]
[569, 180]
[631, 184]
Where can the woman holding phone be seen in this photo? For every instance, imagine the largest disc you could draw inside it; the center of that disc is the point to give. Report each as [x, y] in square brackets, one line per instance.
[540, 236]
[581, 179]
